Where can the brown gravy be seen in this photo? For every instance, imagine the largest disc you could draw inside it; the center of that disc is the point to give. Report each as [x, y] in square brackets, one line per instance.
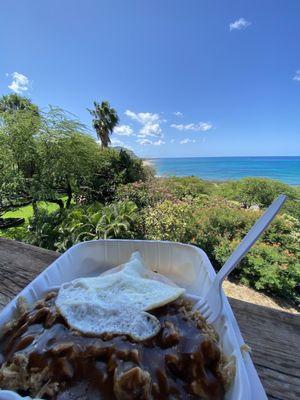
[181, 362]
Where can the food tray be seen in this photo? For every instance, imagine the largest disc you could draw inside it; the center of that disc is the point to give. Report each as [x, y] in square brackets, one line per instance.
[188, 266]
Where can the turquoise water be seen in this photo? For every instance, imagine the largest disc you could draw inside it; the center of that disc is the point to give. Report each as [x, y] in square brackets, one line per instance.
[285, 169]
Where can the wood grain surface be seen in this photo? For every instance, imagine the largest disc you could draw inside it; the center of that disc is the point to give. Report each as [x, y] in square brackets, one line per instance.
[274, 336]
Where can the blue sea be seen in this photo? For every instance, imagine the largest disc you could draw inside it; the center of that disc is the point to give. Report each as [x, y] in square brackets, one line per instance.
[285, 169]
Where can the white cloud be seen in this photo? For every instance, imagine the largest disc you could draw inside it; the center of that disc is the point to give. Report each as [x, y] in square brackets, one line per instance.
[297, 76]
[159, 142]
[150, 123]
[201, 126]
[19, 83]
[185, 141]
[178, 114]
[123, 130]
[172, 140]
[239, 24]
[150, 130]
[143, 117]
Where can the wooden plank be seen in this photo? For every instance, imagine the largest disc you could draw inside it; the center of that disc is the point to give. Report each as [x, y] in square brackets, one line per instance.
[274, 336]
[19, 264]
[281, 386]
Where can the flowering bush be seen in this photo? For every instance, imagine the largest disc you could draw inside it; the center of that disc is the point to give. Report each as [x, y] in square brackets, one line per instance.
[272, 265]
[215, 218]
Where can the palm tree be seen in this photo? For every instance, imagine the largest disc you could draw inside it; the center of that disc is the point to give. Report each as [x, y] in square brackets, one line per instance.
[104, 122]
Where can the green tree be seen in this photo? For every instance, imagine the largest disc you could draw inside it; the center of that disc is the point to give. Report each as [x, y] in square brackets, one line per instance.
[113, 169]
[10, 179]
[13, 102]
[47, 156]
[68, 157]
[19, 127]
[104, 122]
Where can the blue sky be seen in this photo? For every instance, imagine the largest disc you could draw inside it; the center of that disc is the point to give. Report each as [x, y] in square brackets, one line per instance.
[188, 78]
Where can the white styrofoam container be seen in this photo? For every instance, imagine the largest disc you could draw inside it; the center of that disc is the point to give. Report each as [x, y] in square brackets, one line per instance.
[186, 265]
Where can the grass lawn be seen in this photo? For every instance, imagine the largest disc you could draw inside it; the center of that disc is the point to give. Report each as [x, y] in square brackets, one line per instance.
[26, 212]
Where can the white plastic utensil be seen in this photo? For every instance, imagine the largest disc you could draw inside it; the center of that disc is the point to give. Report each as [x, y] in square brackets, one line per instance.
[210, 306]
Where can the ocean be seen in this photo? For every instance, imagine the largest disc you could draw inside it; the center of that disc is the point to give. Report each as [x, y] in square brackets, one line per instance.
[285, 169]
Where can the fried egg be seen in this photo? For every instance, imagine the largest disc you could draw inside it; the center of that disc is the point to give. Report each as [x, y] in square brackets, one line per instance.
[117, 302]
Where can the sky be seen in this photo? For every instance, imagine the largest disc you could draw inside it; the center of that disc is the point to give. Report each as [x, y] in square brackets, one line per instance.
[188, 78]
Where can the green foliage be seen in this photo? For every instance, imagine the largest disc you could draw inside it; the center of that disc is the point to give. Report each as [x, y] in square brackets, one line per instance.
[17, 233]
[19, 157]
[113, 169]
[68, 156]
[13, 102]
[145, 194]
[157, 190]
[11, 181]
[217, 226]
[170, 221]
[221, 223]
[266, 268]
[259, 191]
[138, 192]
[44, 156]
[292, 207]
[60, 230]
[187, 186]
[96, 222]
[43, 228]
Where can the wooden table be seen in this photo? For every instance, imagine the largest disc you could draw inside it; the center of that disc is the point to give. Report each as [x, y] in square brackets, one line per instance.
[274, 336]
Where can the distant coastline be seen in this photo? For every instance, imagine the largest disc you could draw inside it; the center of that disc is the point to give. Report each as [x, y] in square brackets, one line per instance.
[285, 169]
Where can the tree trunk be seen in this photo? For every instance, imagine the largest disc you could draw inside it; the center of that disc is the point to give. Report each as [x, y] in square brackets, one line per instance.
[57, 201]
[10, 222]
[35, 208]
[69, 194]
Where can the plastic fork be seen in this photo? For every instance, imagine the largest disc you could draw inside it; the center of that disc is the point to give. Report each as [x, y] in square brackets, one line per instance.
[210, 306]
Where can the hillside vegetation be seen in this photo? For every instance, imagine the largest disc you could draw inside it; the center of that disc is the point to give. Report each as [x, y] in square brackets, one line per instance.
[70, 189]
[212, 216]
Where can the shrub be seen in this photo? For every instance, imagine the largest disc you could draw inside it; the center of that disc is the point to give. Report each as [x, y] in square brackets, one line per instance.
[187, 186]
[17, 233]
[222, 224]
[153, 191]
[43, 228]
[145, 194]
[260, 191]
[60, 230]
[273, 263]
[285, 232]
[292, 207]
[174, 209]
[138, 192]
[95, 222]
[265, 268]
[170, 221]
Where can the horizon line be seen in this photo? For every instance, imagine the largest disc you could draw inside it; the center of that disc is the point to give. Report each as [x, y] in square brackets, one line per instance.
[156, 158]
